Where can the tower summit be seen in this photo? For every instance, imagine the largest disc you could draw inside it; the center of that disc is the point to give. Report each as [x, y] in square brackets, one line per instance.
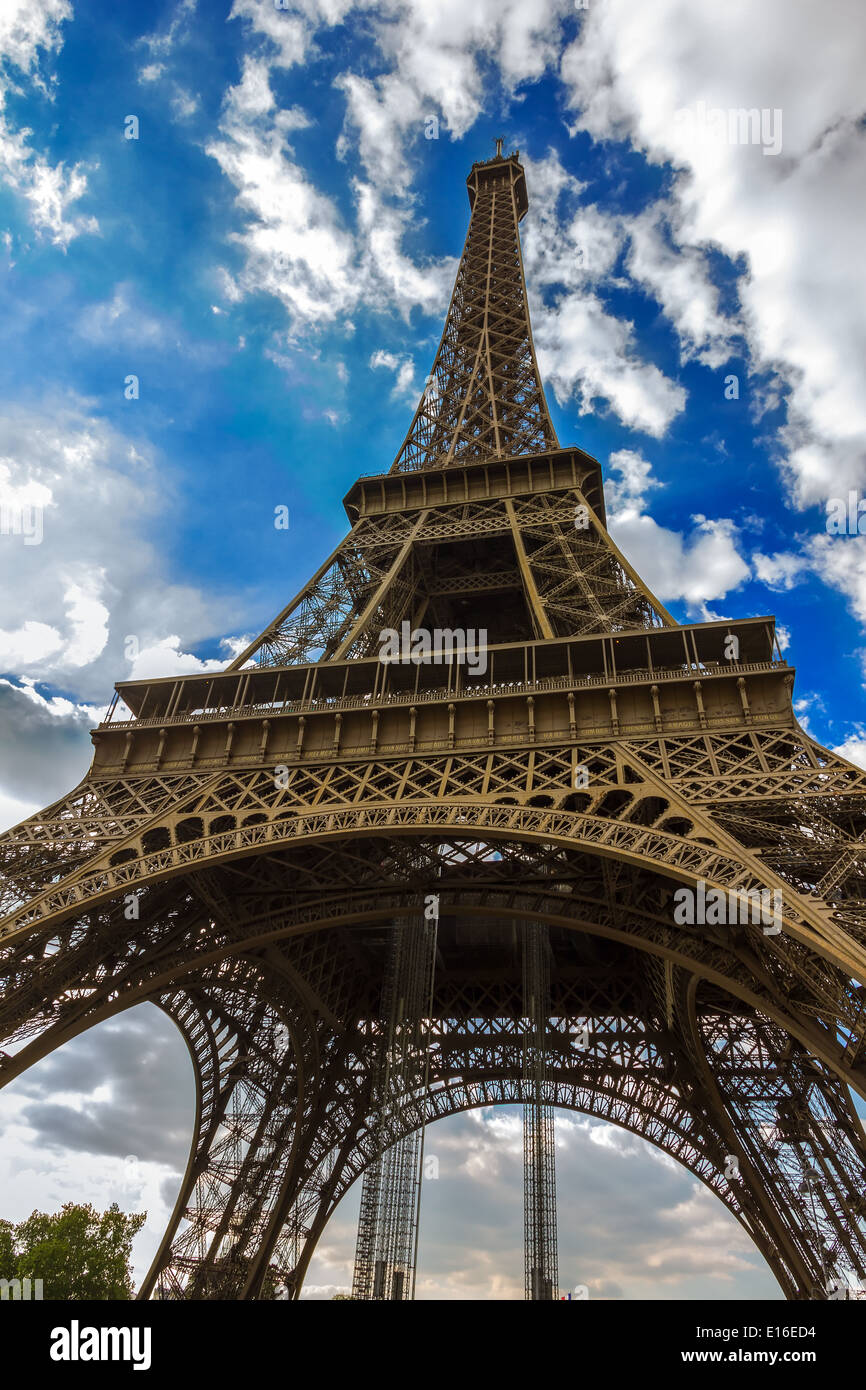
[601, 867]
[483, 398]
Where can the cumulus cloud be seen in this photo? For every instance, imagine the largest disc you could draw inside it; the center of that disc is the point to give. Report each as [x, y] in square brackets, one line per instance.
[780, 571]
[163, 41]
[678, 277]
[25, 29]
[68, 602]
[841, 563]
[796, 218]
[297, 247]
[585, 351]
[695, 568]
[838, 561]
[166, 658]
[294, 244]
[588, 354]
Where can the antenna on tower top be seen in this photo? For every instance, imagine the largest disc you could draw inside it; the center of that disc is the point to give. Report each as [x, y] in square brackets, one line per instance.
[499, 140]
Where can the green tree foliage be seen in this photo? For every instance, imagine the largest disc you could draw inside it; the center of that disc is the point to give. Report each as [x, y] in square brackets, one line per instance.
[7, 1250]
[77, 1252]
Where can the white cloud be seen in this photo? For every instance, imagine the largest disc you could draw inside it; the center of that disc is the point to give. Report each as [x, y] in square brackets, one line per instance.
[295, 246]
[165, 658]
[635, 481]
[841, 563]
[404, 387]
[585, 352]
[695, 569]
[50, 189]
[27, 33]
[54, 706]
[68, 603]
[589, 355]
[677, 275]
[28, 644]
[26, 28]
[184, 104]
[838, 561]
[385, 270]
[854, 747]
[288, 30]
[780, 571]
[797, 217]
[378, 115]
[87, 617]
[163, 42]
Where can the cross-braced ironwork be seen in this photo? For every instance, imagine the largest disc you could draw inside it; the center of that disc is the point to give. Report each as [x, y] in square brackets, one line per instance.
[539, 1141]
[386, 1251]
[245, 840]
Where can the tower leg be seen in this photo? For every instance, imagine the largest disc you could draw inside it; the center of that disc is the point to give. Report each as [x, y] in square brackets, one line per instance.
[539, 1151]
[386, 1251]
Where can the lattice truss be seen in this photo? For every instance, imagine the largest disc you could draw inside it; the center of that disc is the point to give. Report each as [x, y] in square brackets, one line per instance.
[385, 1257]
[483, 397]
[279, 1139]
[541, 1273]
[258, 913]
[483, 400]
[402, 567]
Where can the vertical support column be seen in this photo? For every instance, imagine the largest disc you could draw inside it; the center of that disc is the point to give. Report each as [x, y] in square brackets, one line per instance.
[539, 1152]
[386, 1250]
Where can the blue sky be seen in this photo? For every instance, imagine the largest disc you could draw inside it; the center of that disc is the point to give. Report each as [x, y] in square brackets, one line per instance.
[272, 259]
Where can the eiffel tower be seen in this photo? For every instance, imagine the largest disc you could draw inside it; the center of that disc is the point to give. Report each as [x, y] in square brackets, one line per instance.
[256, 851]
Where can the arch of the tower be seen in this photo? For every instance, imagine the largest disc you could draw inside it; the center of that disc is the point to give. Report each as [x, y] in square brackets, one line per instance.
[626, 1081]
[292, 936]
[644, 1115]
[476, 1062]
[379, 850]
[622, 825]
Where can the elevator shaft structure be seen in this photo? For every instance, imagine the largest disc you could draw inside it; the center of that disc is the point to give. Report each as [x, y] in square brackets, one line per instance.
[539, 1139]
[386, 1249]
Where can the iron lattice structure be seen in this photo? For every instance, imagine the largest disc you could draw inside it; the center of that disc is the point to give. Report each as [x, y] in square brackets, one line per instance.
[386, 1252]
[541, 1275]
[245, 841]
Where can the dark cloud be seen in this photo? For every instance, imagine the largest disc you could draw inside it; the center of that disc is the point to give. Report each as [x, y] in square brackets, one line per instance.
[134, 1091]
[42, 754]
